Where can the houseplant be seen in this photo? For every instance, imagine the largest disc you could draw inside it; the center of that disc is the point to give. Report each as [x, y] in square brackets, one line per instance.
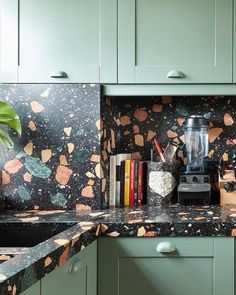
[9, 118]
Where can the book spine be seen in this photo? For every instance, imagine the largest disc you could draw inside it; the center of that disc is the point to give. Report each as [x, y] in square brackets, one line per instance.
[140, 182]
[122, 183]
[112, 181]
[118, 184]
[144, 183]
[132, 175]
[119, 159]
[127, 182]
[136, 182]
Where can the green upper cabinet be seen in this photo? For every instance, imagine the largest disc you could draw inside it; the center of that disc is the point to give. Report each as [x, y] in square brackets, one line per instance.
[68, 41]
[8, 40]
[234, 57]
[169, 41]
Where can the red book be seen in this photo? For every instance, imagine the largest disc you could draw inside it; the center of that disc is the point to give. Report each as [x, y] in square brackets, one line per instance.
[132, 183]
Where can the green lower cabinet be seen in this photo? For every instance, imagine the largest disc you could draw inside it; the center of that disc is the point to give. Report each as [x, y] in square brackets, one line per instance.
[138, 266]
[76, 277]
[33, 290]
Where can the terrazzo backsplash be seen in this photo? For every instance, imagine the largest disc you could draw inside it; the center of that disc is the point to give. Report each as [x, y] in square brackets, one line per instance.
[56, 163]
[62, 159]
[132, 122]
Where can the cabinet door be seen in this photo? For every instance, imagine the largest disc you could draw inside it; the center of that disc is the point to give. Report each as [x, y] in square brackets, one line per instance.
[234, 51]
[169, 41]
[166, 276]
[77, 277]
[8, 41]
[135, 267]
[33, 290]
[68, 41]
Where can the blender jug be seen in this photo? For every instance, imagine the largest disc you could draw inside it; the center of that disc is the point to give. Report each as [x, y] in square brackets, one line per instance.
[196, 142]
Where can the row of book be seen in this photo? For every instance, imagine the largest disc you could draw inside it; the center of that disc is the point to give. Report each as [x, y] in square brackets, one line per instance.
[127, 182]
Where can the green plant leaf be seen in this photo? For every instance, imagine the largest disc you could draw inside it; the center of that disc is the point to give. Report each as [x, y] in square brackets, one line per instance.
[5, 140]
[9, 117]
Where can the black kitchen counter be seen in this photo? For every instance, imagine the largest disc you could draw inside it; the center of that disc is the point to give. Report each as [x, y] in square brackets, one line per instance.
[30, 265]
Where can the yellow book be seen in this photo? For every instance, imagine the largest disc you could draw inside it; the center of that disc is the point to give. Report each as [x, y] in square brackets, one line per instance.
[127, 182]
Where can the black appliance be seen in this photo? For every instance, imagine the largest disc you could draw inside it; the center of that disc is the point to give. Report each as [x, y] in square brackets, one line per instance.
[195, 183]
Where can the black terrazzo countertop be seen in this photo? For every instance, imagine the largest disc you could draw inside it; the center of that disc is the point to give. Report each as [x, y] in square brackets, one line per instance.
[32, 264]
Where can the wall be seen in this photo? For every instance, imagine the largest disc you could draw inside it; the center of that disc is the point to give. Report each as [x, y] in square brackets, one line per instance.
[56, 163]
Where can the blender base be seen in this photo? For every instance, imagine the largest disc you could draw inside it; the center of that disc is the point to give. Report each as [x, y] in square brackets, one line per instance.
[194, 189]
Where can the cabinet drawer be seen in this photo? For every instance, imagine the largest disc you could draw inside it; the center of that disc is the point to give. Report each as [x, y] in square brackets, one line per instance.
[186, 247]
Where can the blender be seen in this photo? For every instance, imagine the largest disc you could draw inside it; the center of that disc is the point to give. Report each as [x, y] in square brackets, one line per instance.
[195, 184]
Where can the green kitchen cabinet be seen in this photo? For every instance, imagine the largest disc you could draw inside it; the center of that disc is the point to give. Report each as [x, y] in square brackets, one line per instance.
[68, 41]
[234, 51]
[169, 41]
[78, 276]
[173, 266]
[8, 41]
[33, 290]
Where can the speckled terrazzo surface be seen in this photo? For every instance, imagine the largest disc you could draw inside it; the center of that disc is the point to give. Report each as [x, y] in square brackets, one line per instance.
[56, 163]
[132, 122]
[25, 269]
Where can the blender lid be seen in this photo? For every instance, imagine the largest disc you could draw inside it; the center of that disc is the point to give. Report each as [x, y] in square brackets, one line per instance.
[196, 121]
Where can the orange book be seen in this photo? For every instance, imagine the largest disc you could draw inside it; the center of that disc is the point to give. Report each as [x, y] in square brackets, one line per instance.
[127, 182]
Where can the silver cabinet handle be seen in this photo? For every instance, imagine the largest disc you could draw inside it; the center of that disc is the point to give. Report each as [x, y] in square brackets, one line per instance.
[165, 247]
[175, 75]
[59, 74]
[75, 266]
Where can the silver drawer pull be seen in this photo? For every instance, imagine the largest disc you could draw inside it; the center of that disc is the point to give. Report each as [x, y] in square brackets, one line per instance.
[75, 266]
[165, 247]
[175, 75]
[59, 74]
